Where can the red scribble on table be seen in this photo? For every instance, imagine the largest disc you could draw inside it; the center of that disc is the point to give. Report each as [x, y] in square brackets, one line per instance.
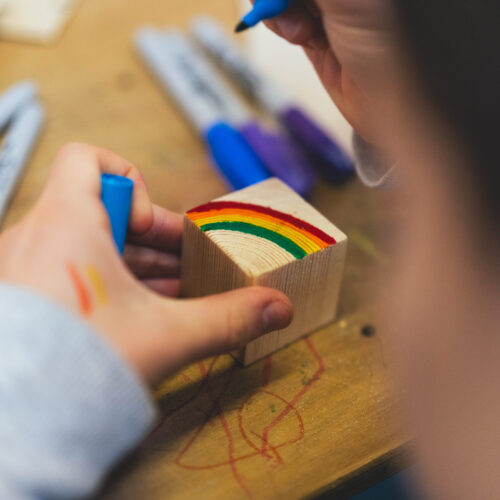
[258, 442]
[263, 438]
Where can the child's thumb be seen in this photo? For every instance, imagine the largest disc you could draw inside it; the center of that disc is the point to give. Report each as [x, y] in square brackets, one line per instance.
[228, 321]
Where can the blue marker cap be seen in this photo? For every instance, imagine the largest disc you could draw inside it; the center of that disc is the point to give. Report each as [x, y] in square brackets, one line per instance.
[233, 156]
[262, 10]
[116, 195]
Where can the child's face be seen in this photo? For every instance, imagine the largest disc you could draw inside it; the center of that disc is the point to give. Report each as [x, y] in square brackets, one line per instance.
[442, 317]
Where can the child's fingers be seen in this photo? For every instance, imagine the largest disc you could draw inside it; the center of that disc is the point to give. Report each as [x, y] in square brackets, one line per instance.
[165, 233]
[148, 263]
[165, 287]
[77, 171]
[296, 25]
[312, 8]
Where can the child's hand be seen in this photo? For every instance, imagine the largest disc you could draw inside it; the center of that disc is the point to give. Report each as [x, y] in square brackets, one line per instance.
[64, 250]
[350, 43]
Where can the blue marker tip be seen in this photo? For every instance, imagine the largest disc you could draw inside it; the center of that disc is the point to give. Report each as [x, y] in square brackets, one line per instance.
[262, 10]
[116, 195]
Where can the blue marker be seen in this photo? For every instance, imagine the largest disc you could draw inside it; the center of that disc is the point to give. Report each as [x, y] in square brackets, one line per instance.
[215, 114]
[116, 195]
[262, 10]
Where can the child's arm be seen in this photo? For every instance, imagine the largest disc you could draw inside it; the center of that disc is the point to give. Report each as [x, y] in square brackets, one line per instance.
[79, 334]
[71, 406]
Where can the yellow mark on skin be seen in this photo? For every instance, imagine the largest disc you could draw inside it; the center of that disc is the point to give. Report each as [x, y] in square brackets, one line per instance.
[98, 285]
[367, 246]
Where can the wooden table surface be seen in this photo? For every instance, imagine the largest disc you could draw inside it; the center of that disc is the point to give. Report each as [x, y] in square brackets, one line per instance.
[313, 417]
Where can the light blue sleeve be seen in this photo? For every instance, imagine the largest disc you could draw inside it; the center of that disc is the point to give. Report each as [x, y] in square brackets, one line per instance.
[70, 407]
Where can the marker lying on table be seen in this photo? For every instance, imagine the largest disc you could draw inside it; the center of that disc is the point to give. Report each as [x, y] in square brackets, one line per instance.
[243, 152]
[21, 112]
[14, 98]
[262, 10]
[333, 163]
[116, 195]
[168, 56]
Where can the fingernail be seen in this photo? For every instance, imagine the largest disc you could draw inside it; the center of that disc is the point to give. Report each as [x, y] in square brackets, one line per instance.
[288, 28]
[276, 315]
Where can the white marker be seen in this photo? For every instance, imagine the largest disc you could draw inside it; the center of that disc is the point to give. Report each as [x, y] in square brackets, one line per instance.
[207, 100]
[212, 37]
[185, 74]
[25, 124]
[13, 98]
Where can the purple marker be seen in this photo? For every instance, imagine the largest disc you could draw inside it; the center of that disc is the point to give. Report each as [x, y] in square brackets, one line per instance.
[332, 162]
[282, 158]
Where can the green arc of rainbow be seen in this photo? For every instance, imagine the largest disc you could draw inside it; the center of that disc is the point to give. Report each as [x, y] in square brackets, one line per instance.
[262, 232]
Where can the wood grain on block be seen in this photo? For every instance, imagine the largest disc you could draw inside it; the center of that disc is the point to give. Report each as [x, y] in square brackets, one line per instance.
[266, 235]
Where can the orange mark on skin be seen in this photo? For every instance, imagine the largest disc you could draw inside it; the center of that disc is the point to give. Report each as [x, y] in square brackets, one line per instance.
[81, 290]
[98, 285]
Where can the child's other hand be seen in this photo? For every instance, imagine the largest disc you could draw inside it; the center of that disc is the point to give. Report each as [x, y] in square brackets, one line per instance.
[64, 250]
[350, 44]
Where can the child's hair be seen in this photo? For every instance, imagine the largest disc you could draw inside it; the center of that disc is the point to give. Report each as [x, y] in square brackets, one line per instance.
[455, 48]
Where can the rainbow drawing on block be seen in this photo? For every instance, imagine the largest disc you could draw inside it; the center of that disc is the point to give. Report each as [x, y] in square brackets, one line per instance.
[297, 237]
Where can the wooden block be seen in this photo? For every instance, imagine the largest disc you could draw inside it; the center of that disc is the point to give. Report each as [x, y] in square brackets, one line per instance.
[266, 235]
